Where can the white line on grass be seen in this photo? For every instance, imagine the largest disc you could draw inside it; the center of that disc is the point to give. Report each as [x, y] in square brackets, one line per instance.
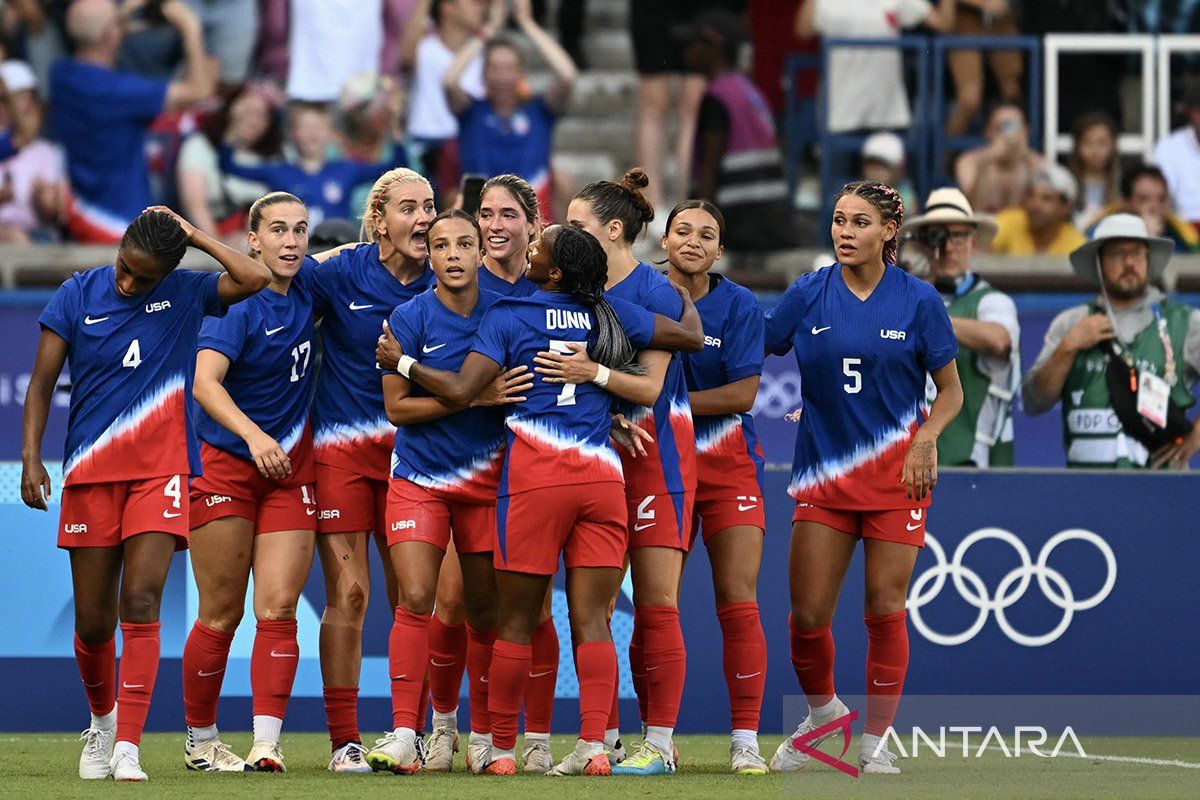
[1154, 762]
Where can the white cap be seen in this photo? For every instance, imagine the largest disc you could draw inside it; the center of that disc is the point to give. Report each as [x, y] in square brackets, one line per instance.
[884, 146]
[1058, 178]
[18, 76]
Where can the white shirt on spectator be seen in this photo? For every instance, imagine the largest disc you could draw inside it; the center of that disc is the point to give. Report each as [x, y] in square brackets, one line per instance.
[331, 41]
[1178, 156]
[866, 85]
[429, 115]
[37, 161]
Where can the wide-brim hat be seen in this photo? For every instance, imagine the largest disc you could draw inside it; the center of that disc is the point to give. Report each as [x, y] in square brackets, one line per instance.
[1085, 258]
[948, 206]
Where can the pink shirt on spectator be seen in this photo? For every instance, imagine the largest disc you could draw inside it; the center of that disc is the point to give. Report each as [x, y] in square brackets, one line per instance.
[37, 160]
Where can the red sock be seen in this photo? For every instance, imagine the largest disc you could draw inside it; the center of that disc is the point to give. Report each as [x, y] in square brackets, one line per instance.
[543, 677]
[139, 669]
[637, 665]
[596, 666]
[614, 713]
[408, 650]
[204, 657]
[273, 663]
[341, 711]
[447, 660]
[887, 663]
[506, 686]
[423, 707]
[98, 671]
[812, 658]
[666, 663]
[744, 651]
[479, 662]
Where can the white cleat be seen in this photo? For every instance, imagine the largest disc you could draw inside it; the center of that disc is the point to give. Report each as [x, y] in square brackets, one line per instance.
[350, 757]
[616, 753]
[877, 759]
[396, 752]
[588, 758]
[440, 750]
[95, 763]
[266, 757]
[787, 758]
[479, 753]
[125, 767]
[536, 756]
[746, 760]
[213, 756]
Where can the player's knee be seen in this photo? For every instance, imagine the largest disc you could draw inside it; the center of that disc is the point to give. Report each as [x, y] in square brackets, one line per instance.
[282, 607]
[93, 629]
[589, 628]
[734, 589]
[451, 610]
[222, 620]
[140, 604]
[809, 619]
[416, 599]
[482, 616]
[349, 601]
[884, 600]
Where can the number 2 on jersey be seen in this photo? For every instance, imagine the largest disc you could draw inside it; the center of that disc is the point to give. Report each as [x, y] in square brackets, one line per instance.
[567, 396]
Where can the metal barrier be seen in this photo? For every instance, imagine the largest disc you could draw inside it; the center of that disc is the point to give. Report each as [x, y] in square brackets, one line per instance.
[799, 116]
[1168, 46]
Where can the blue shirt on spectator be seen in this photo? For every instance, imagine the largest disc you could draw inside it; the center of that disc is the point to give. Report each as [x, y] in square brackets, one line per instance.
[101, 118]
[490, 144]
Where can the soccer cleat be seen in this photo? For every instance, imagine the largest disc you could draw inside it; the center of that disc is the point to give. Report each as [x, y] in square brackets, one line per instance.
[616, 753]
[213, 756]
[125, 767]
[746, 760]
[479, 753]
[505, 765]
[95, 763]
[422, 749]
[536, 756]
[266, 757]
[439, 752]
[647, 760]
[877, 759]
[588, 758]
[350, 757]
[787, 758]
[394, 753]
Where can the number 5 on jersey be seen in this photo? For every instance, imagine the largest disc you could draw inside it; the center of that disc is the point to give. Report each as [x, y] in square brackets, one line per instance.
[855, 384]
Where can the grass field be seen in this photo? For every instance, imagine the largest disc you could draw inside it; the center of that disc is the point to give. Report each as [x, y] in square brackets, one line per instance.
[44, 766]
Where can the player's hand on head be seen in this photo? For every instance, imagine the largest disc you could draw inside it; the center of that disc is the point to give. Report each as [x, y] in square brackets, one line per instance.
[268, 456]
[632, 437]
[188, 228]
[506, 388]
[573, 367]
[388, 349]
[35, 484]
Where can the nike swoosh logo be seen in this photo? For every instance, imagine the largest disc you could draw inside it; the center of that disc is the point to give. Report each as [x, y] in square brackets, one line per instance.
[428, 350]
[483, 679]
[742, 677]
[356, 307]
[651, 669]
[204, 674]
[433, 663]
[90, 321]
[912, 527]
[273, 331]
[747, 508]
[541, 674]
[810, 666]
[284, 655]
[816, 330]
[310, 511]
[399, 677]
[133, 685]
[169, 515]
[877, 683]
[93, 685]
[643, 527]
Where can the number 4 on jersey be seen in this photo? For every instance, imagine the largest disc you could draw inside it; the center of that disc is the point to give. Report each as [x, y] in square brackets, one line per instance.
[133, 356]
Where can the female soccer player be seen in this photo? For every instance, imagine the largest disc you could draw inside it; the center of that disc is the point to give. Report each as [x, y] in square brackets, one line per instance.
[445, 471]
[354, 290]
[865, 334]
[561, 481]
[129, 332]
[254, 508]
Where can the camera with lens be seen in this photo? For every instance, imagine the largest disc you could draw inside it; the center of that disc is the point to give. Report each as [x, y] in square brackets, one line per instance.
[932, 237]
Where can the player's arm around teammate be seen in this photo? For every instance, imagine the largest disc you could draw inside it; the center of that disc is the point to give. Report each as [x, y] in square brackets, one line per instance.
[129, 331]
[254, 508]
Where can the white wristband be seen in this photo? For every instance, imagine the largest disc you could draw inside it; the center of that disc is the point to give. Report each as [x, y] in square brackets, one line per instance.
[602, 375]
[405, 364]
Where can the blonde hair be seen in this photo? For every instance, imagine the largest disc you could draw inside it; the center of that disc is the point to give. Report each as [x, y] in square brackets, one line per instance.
[379, 196]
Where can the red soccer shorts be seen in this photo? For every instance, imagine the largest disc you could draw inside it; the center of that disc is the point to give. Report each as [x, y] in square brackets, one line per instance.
[233, 487]
[901, 525]
[348, 502]
[583, 521]
[715, 514]
[106, 514]
[418, 514]
[661, 520]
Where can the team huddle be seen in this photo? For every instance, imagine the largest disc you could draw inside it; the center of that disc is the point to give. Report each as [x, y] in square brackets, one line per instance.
[495, 399]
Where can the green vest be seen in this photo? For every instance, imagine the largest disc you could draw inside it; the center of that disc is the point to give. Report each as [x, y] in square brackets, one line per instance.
[986, 410]
[1092, 434]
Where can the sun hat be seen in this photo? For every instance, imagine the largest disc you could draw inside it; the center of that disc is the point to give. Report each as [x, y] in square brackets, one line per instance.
[1085, 258]
[949, 205]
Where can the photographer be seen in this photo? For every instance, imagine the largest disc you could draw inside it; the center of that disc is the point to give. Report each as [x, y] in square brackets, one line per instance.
[985, 323]
[1122, 364]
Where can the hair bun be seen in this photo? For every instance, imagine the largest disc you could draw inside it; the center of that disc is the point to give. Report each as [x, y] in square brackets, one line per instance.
[633, 181]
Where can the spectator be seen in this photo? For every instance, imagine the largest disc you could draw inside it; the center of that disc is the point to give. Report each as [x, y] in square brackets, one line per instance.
[1095, 163]
[1144, 193]
[884, 161]
[737, 165]
[329, 42]
[1086, 356]
[33, 194]
[231, 29]
[212, 200]
[1042, 223]
[866, 85]
[981, 18]
[1178, 155]
[996, 176]
[369, 111]
[506, 131]
[434, 33]
[323, 184]
[101, 115]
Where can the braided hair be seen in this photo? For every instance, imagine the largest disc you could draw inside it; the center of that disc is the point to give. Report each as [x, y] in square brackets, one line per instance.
[622, 200]
[585, 269]
[157, 234]
[886, 201]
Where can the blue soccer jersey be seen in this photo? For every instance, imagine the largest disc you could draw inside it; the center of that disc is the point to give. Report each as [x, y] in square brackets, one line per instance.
[490, 282]
[353, 293]
[459, 453]
[132, 362]
[733, 350]
[669, 465]
[560, 434]
[268, 340]
[862, 369]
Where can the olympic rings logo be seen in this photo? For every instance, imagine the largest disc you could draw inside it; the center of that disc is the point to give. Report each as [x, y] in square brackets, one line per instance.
[778, 394]
[1011, 588]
